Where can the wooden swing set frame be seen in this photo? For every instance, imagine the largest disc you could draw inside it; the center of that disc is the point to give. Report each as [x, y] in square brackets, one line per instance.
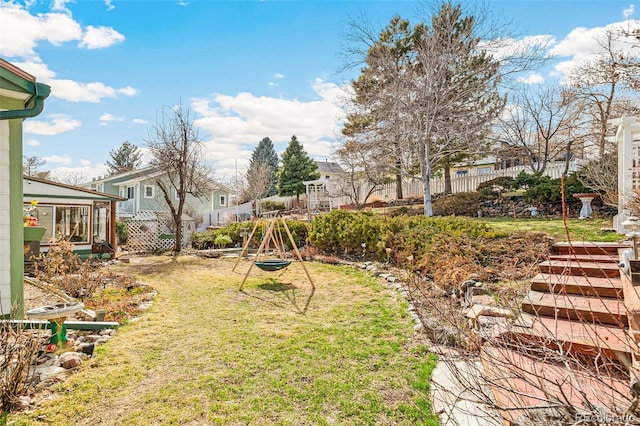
[272, 237]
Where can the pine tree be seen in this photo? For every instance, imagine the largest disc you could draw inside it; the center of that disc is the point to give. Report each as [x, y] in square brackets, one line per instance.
[296, 168]
[266, 155]
[124, 159]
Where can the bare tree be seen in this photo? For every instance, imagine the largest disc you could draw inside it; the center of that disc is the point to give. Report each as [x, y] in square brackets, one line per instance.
[450, 92]
[609, 78]
[544, 122]
[601, 175]
[362, 176]
[31, 167]
[73, 178]
[177, 150]
[256, 185]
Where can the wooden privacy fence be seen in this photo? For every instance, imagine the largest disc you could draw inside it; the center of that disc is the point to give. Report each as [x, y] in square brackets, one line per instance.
[459, 183]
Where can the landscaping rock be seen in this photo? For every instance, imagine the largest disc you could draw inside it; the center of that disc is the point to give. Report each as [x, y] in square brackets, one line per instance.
[50, 372]
[70, 360]
[484, 310]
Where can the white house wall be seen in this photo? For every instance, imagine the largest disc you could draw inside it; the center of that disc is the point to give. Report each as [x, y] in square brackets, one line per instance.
[5, 260]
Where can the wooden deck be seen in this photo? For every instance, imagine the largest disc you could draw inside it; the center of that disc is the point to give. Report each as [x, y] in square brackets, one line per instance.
[522, 384]
[574, 313]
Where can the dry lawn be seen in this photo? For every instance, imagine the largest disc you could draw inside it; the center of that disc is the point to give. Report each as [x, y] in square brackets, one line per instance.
[276, 353]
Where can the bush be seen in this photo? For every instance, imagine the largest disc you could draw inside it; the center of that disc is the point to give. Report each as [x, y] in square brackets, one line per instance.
[543, 189]
[19, 349]
[269, 206]
[122, 231]
[349, 233]
[370, 234]
[496, 186]
[207, 240]
[223, 240]
[462, 204]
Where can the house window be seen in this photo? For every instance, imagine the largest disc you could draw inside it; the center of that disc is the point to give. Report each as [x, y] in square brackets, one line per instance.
[130, 192]
[64, 221]
[72, 223]
[484, 170]
[149, 191]
[461, 172]
[223, 200]
[94, 187]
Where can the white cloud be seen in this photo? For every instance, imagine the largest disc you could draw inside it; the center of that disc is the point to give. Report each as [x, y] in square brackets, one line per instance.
[87, 171]
[237, 123]
[106, 118]
[533, 78]
[583, 44]
[74, 91]
[182, 3]
[278, 76]
[85, 163]
[20, 31]
[507, 47]
[58, 159]
[109, 4]
[128, 91]
[60, 5]
[59, 123]
[629, 11]
[140, 121]
[33, 142]
[70, 90]
[100, 37]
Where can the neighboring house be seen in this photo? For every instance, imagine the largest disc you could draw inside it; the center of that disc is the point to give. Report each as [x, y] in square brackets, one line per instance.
[84, 217]
[320, 191]
[21, 97]
[141, 193]
[475, 167]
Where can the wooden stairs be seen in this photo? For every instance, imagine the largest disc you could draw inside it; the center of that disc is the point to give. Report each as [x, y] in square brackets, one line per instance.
[573, 323]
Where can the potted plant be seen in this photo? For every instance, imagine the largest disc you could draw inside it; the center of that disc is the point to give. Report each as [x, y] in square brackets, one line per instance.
[32, 232]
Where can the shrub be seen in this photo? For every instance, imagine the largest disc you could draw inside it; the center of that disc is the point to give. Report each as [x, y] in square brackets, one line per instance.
[223, 240]
[544, 189]
[207, 240]
[461, 204]
[349, 233]
[18, 348]
[496, 186]
[122, 231]
[269, 206]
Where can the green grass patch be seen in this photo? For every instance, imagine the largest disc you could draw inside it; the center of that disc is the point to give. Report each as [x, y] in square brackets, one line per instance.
[276, 353]
[575, 229]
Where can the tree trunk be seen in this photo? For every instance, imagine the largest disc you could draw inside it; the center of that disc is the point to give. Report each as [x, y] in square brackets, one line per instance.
[425, 167]
[447, 179]
[399, 195]
[177, 248]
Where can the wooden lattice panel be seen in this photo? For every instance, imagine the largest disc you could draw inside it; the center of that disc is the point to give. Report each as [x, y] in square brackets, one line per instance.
[146, 228]
[142, 236]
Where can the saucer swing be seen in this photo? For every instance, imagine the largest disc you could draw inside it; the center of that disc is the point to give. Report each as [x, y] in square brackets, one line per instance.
[272, 242]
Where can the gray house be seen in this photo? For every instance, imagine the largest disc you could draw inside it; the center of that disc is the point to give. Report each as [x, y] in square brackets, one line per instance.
[140, 190]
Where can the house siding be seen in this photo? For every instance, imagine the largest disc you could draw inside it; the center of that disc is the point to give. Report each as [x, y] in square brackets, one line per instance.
[5, 220]
[11, 238]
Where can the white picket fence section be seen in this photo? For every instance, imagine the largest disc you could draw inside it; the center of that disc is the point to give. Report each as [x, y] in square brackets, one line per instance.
[459, 183]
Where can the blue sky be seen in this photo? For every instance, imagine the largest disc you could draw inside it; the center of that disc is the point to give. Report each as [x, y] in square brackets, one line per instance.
[245, 69]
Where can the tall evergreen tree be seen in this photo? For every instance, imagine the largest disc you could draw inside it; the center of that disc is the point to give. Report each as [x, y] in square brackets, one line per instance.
[264, 154]
[123, 159]
[296, 168]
